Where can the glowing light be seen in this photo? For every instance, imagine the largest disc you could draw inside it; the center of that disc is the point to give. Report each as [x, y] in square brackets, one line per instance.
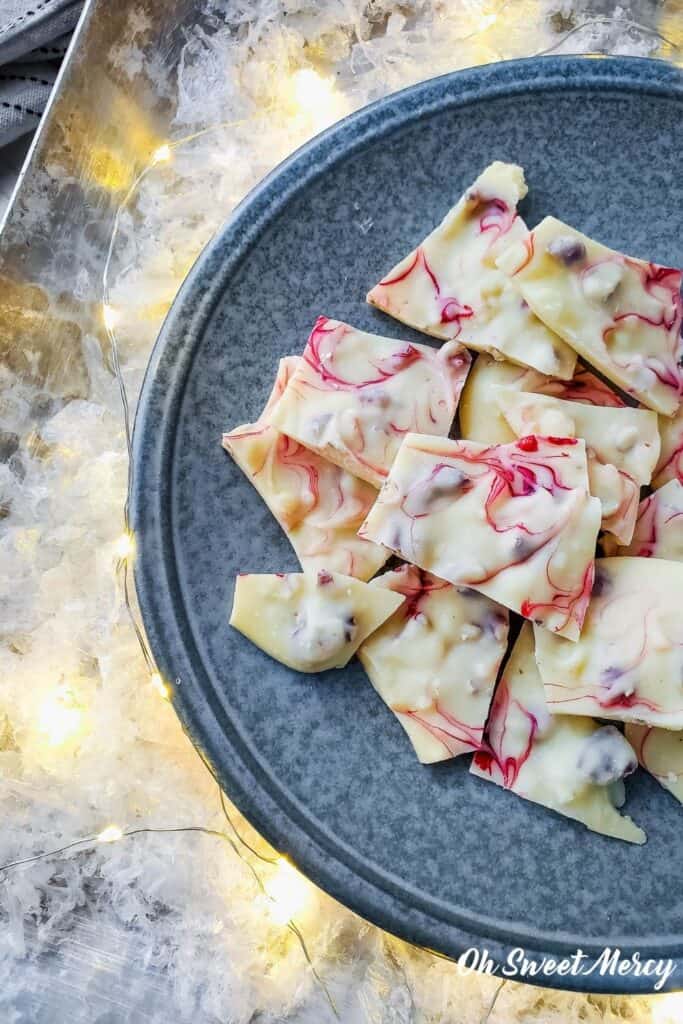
[159, 685]
[59, 717]
[289, 892]
[123, 548]
[162, 154]
[110, 316]
[317, 97]
[157, 310]
[671, 29]
[111, 834]
[668, 1009]
[109, 170]
[480, 29]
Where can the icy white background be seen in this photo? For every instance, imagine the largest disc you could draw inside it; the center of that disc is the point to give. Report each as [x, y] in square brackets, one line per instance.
[173, 927]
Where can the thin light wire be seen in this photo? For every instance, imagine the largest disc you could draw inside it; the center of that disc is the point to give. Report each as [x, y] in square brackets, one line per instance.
[492, 1005]
[240, 838]
[399, 967]
[122, 565]
[94, 840]
[47, 854]
[111, 334]
[605, 20]
[88, 843]
[293, 927]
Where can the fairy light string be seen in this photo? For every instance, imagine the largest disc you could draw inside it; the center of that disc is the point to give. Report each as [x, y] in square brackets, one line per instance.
[665, 1008]
[114, 834]
[110, 834]
[285, 877]
[492, 1005]
[604, 21]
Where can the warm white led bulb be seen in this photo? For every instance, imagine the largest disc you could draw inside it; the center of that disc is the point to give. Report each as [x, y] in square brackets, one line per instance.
[159, 685]
[123, 547]
[162, 154]
[317, 97]
[110, 316]
[288, 890]
[111, 834]
[667, 1009]
[59, 717]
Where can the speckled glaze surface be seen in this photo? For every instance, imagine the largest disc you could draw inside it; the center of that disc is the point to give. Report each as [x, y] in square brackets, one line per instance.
[317, 763]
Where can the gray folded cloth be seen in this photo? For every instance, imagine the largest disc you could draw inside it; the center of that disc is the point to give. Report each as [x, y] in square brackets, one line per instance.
[34, 36]
[26, 25]
[24, 92]
[54, 50]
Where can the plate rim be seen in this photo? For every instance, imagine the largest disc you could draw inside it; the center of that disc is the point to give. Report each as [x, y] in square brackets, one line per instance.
[274, 813]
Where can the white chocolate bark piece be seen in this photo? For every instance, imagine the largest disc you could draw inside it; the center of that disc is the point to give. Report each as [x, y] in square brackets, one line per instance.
[563, 763]
[514, 522]
[628, 663]
[450, 286]
[354, 395]
[670, 465]
[622, 314]
[625, 437]
[660, 752]
[479, 417]
[309, 621]
[435, 661]
[318, 505]
[659, 529]
[481, 421]
[622, 447]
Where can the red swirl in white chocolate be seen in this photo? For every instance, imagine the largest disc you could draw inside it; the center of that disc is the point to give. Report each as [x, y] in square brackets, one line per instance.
[501, 755]
[620, 313]
[435, 661]
[563, 763]
[659, 528]
[319, 505]
[451, 311]
[495, 217]
[670, 465]
[355, 395]
[319, 353]
[622, 446]
[449, 285]
[663, 285]
[514, 521]
[628, 663]
[583, 387]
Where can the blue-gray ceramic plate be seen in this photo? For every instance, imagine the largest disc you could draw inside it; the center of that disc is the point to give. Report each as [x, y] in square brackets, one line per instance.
[318, 764]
